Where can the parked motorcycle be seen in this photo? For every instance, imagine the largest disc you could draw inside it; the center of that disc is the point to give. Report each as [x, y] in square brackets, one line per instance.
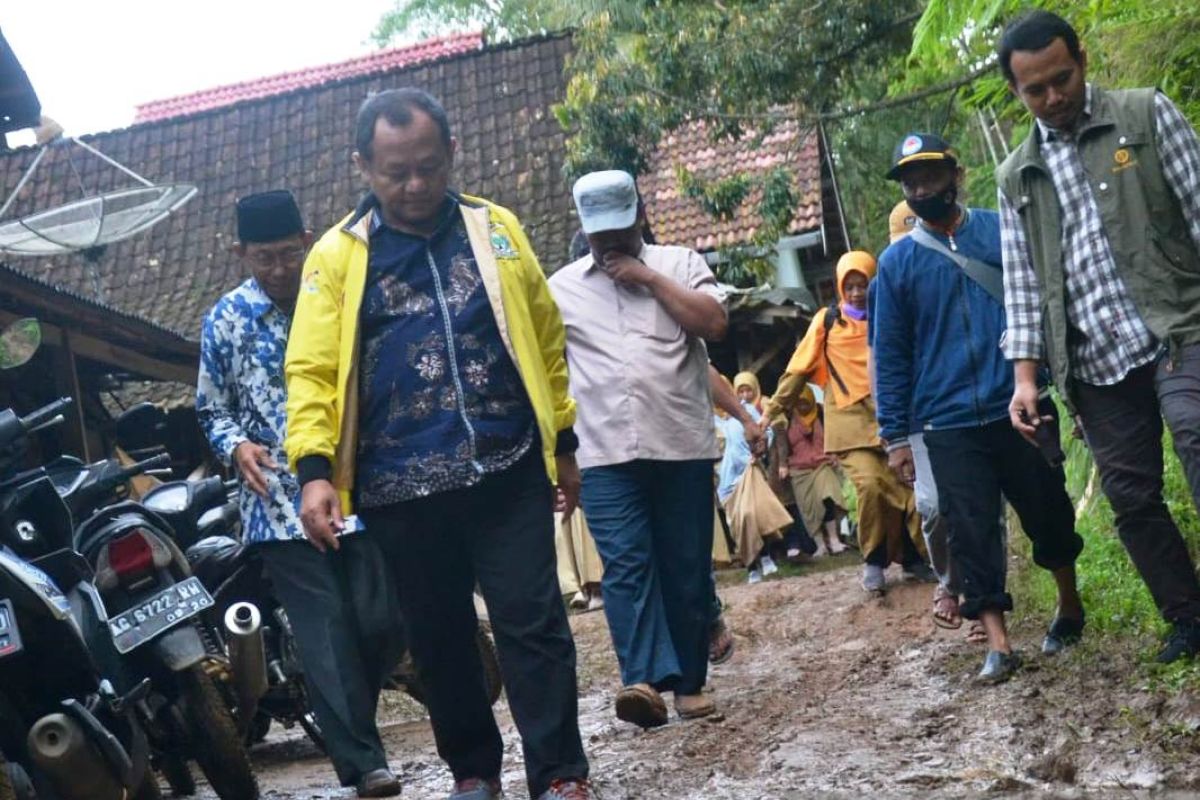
[61, 723]
[209, 532]
[158, 627]
[235, 576]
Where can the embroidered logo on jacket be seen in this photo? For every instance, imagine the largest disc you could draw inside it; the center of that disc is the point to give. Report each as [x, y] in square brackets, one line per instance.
[501, 244]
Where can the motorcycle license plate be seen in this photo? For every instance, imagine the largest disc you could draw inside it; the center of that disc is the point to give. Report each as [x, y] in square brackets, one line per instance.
[10, 636]
[156, 614]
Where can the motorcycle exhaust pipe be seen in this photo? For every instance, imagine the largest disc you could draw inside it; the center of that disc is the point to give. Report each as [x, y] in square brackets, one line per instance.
[76, 769]
[247, 655]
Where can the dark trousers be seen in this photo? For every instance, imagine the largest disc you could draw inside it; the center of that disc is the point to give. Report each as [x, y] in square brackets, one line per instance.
[1123, 426]
[500, 534]
[343, 610]
[972, 468]
[652, 523]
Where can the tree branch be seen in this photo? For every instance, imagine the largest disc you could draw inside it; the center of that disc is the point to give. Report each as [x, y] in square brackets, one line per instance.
[908, 99]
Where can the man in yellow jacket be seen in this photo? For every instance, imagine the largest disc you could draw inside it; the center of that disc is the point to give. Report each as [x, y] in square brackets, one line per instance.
[427, 385]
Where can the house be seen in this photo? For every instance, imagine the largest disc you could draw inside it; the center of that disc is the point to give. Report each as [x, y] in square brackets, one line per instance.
[766, 322]
[295, 131]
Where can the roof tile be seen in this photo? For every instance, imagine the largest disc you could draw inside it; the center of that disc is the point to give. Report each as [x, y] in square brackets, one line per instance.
[677, 219]
[174, 272]
[382, 61]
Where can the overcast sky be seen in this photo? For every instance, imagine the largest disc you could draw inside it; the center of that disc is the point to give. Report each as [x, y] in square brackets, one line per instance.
[92, 61]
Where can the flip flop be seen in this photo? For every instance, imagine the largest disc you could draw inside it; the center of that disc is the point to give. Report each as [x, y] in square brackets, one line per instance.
[945, 609]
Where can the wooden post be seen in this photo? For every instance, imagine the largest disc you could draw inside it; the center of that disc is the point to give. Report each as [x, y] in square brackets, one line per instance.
[66, 380]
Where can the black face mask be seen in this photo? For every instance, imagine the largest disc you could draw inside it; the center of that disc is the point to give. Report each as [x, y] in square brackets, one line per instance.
[935, 208]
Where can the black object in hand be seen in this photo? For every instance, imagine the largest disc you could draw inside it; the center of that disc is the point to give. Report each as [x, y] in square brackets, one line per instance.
[1046, 437]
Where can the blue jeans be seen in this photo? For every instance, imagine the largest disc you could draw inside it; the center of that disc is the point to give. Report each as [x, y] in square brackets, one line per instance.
[652, 523]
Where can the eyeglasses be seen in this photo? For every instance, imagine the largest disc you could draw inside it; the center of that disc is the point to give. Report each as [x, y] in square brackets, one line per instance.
[275, 258]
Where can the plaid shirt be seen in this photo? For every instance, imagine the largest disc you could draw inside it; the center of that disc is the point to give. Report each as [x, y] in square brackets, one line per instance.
[1113, 337]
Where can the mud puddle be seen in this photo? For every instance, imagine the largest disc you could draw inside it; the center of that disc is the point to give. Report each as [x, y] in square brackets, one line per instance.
[832, 694]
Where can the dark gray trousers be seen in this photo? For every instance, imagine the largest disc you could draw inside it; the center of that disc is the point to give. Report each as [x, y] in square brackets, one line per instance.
[344, 613]
[1123, 424]
[499, 533]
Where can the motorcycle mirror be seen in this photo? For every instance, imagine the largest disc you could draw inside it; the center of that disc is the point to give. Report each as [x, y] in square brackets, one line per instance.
[19, 341]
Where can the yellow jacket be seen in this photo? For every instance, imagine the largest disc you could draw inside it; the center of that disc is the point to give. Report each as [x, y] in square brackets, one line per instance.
[322, 355]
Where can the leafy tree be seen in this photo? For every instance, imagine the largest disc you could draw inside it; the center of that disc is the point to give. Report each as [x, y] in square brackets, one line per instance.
[1129, 43]
[868, 70]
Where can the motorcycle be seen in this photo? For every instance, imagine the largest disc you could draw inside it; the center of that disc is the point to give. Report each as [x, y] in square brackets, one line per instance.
[235, 577]
[66, 730]
[209, 532]
[158, 627]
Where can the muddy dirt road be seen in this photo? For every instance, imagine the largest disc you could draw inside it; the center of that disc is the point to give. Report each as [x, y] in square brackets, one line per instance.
[836, 694]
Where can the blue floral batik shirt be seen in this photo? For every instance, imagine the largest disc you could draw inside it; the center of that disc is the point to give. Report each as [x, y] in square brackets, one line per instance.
[241, 396]
[441, 402]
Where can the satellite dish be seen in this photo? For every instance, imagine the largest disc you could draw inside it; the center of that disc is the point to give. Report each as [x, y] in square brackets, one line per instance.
[93, 221]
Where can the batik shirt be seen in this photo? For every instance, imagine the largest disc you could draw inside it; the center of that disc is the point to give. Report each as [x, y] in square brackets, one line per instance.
[241, 397]
[441, 402]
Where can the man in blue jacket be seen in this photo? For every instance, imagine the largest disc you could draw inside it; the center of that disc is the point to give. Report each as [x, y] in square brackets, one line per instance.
[939, 312]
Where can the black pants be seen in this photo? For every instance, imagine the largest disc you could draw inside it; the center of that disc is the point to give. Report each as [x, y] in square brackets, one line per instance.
[972, 467]
[1123, 426]
[501, 535]
[343, 610]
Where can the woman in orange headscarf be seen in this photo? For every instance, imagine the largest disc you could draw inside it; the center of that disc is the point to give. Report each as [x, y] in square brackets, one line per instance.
[833, 354]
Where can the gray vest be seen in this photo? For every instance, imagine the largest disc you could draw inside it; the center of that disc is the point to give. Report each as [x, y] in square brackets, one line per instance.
[1149, 236]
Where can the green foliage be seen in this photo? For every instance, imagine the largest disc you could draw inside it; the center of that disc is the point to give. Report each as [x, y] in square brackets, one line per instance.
[719, 198]
[1129, 43]
[778, 204]
[744, 267]
[642, 68]
[741, 67]
[499, 19]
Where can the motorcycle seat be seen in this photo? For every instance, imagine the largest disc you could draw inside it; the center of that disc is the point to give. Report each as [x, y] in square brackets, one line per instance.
[215, 558]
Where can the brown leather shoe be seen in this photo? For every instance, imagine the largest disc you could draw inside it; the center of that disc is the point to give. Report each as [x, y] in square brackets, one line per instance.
[694, 706]
[641, 705]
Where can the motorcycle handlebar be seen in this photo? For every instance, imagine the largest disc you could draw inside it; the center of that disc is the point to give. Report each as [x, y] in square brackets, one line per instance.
[46, 414]
[141, 467]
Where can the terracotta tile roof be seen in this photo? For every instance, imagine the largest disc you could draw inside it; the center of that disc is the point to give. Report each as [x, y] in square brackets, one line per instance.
[511, 150]
[678, 219]
[382, 61]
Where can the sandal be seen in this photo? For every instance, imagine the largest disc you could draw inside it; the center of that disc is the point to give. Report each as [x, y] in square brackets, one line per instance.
[976, 633]
[945, 609]
[720, 642]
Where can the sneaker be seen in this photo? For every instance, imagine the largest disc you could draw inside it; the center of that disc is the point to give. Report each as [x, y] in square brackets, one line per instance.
[579, 601]
[477, 789]
[595, 603]
[919, 571]
[571, 789]
[1184, 642]
[793, 552]
[378, 783]
[872, 578]
[754, 576]
[768, 566]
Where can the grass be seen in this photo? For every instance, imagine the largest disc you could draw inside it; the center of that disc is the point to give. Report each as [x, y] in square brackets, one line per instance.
[1117, 601]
